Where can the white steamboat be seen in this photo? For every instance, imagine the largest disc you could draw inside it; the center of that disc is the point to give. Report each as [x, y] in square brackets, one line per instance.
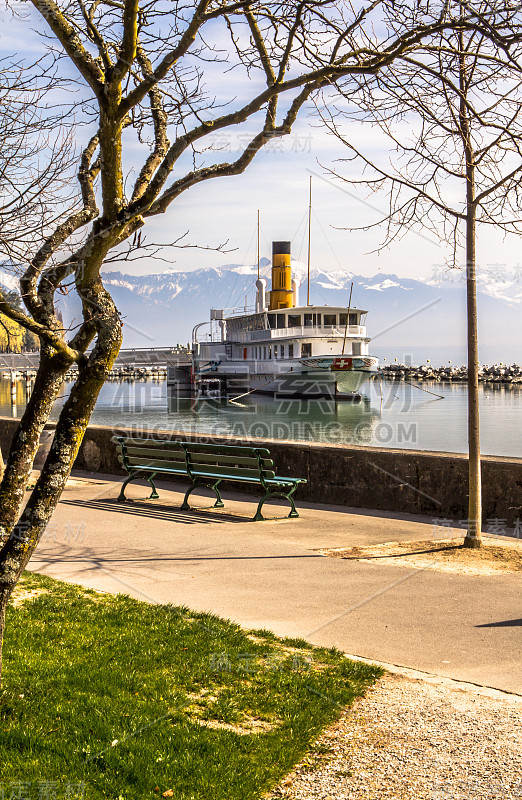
[282, 348]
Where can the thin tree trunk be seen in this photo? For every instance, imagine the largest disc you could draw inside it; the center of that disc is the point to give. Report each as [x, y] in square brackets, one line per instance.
[49, 379]
[473, 535]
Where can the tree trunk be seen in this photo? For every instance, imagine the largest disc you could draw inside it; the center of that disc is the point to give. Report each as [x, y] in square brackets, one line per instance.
[72, 423]
[473, 535]
[49, 379]
[474, 523]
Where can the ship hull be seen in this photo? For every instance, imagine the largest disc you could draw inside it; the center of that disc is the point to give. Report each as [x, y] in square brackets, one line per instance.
[339, 378]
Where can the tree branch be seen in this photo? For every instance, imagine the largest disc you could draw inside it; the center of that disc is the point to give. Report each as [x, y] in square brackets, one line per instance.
[238, 166]
[49, 336]
[72, 45]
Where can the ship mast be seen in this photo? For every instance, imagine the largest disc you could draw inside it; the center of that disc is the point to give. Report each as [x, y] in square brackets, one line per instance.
[347, 318]
[309, 243]
[257, 244]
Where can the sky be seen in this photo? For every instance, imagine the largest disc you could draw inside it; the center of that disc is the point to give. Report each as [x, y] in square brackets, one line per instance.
[277, 184]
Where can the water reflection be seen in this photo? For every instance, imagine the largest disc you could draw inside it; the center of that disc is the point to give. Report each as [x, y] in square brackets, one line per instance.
[14, 395]
[403, 417]
[278, 418]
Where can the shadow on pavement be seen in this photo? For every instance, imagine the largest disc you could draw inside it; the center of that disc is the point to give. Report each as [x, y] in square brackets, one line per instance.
[165, 512]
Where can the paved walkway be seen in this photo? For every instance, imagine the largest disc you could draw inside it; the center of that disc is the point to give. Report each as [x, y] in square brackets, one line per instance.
[269, 575]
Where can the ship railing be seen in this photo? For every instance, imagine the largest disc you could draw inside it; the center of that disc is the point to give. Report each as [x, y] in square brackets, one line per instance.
[287, 333]
[238, 311]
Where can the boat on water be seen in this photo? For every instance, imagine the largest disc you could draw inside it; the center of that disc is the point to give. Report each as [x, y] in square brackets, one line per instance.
[280, 347]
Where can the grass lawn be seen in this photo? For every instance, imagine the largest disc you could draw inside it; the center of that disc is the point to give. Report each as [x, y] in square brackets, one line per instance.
[108, 697]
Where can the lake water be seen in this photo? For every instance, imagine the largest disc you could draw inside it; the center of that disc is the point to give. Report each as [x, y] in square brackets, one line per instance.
[389, 415]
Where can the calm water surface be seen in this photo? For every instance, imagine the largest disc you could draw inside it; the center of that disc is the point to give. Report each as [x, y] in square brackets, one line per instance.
[389, 415]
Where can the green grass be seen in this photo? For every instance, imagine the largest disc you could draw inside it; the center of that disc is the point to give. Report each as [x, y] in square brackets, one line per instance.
[197, 705]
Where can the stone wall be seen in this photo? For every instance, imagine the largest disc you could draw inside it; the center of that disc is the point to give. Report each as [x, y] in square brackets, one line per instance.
[411, 481]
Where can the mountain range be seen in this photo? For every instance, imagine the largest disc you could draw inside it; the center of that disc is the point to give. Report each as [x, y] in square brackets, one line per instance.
[405, 315]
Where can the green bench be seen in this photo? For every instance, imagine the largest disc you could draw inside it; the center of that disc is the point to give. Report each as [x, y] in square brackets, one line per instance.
[205, 465]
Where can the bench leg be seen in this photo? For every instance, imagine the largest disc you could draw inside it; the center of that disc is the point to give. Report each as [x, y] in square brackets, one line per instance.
[293, 510]
[121, 496]
[154, 495]
[258, 515]
[214, 486]
[286, 496]
[185, 506]
[219, 502]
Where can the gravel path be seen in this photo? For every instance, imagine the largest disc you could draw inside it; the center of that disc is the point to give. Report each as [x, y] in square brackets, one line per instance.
[424, 740]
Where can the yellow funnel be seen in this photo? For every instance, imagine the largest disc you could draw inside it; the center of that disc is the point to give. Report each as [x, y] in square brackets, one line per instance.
[281, 295]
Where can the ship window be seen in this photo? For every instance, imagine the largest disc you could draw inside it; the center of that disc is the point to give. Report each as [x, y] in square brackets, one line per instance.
[330, 319]
[308, 320]
[264, 353]
[294, 320]
[275, 351]
[280, 321]
[306, 350]
[254, 322]
[356, 348]
[317, 320]
[271, 320]
[353, 319]
[269, 351]
[343, 318]
[282, 351]
[290, 351]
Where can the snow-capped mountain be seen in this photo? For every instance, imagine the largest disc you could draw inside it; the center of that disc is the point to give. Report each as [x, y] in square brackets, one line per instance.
[8, 281]
[161, 309]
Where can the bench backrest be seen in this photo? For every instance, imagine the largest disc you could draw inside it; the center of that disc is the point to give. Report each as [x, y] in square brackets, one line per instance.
[195, 459]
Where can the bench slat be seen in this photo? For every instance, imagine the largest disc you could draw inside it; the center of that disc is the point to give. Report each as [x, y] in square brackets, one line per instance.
[273, 481]
[203, 469]
[199, 458]
[143, 452]
[205, 458]
[157, 444]
[271, 478]
[193, 447]
[151, 464]
[226, 449]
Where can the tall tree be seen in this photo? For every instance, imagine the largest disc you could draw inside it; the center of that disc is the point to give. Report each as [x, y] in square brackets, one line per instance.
[164, 73]
[454, 122]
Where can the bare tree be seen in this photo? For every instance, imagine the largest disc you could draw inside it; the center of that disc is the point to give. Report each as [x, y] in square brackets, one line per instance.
[157, 75]
[36, 153]
[454, 121]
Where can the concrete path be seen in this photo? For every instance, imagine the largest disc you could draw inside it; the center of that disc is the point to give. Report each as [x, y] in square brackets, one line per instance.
[268, 575]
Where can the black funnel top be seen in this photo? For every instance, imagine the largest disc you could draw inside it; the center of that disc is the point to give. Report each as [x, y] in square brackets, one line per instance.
[280, 248]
